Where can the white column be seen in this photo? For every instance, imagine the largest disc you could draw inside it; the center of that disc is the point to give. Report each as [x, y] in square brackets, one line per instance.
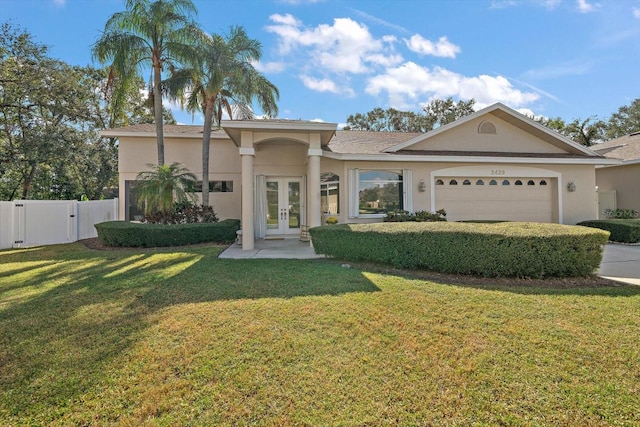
[247, 155]
[313, 188]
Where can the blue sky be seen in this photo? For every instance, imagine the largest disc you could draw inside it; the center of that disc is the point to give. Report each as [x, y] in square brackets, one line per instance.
[332, 58]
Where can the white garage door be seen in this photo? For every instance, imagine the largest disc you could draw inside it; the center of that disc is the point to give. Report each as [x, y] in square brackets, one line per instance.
[509, 199]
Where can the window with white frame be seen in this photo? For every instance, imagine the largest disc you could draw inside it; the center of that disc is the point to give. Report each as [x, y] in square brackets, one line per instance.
[330, 193]
[379, 191]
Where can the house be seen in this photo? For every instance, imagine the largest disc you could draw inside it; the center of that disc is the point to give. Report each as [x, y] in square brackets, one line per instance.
[619, 184]
[279, 175]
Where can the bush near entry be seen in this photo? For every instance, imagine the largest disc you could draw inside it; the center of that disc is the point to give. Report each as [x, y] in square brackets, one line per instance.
[509, 249]
[622, 230]
[419, 216]
[128, 234]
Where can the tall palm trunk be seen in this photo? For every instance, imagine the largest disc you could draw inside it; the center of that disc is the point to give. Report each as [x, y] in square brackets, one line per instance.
[206, 141]
[157, 109]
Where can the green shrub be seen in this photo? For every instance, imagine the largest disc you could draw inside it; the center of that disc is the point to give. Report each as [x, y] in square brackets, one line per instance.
[507, 249]
[419, 216]
[184, 212]
[128, 234]
[622, 230]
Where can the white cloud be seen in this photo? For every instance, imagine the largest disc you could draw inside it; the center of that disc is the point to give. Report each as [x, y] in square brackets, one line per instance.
[585, 7]
[379, 21]
[59, 3]
[442, 48]
[346, 46]
[409, 83]
[503, 4]
[550, 4]
[297, 2]
[325, 85]
[570, 68]
[269, 67]
[636, 12]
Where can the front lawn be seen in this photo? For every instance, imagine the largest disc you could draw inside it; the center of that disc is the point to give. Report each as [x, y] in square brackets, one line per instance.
[180, 337]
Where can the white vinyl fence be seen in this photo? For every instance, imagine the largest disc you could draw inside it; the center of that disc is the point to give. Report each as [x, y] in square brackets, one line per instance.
[47, 222]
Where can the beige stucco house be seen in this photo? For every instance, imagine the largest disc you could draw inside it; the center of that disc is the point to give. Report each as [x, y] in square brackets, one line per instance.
[279, 175]
[619, 184]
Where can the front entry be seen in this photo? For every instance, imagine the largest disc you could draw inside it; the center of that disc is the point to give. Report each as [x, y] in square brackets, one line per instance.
[284, 213]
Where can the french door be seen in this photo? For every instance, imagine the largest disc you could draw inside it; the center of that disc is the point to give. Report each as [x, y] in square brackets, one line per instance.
[284, 213]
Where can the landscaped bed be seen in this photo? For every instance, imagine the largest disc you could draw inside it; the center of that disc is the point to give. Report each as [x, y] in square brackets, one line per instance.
[180, 337]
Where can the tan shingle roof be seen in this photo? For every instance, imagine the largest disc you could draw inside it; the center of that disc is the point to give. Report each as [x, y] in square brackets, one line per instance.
[626, 147]
[169, 129]
[366, 142]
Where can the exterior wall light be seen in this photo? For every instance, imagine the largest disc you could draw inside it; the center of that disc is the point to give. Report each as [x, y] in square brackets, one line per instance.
[422, 186]
[571, 186]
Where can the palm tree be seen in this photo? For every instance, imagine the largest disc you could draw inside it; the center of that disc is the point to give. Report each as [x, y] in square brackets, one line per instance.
[161, 187]
[158, 34]
[221, 78]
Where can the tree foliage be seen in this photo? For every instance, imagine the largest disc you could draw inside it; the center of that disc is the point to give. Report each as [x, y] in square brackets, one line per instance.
[625, 121]
[441, 112]
[50, 116]
[162, 186]
[220, 78]
[153, 34]
[436, 113]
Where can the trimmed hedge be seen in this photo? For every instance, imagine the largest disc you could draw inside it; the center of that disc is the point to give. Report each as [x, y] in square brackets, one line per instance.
[509, 249]
[622, 230]
[129, 234]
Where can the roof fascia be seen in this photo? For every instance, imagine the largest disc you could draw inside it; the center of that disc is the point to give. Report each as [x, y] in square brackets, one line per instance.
[111, 134]
[234, 128]
[470, 159]
[490, 110]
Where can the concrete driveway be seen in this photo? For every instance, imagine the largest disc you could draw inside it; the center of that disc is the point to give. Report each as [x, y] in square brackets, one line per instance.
[621, 263]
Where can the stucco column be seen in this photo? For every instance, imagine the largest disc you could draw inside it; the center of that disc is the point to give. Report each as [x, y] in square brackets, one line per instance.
[313, 188]
[247, 155]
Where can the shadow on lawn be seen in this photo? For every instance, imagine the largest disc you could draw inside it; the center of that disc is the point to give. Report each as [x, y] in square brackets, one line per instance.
[591, 285]
[66, 317]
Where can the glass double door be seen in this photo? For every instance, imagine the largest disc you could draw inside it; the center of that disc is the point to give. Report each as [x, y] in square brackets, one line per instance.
[284, 213]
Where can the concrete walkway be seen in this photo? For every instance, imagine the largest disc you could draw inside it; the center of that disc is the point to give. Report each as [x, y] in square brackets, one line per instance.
[277, 248]
[621, 263]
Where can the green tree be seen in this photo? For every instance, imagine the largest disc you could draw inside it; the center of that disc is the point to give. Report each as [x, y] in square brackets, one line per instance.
[157, 34]
[440, 112]
[390, 120]
[586, 132]
[436, 113]
[625, 121]
[161, 187]
[221, 78]
[43, 119]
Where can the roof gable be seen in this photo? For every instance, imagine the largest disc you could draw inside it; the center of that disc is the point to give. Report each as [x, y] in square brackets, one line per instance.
[514, 133]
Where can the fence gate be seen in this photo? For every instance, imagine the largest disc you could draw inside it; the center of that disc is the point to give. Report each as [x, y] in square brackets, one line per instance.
[44, 222]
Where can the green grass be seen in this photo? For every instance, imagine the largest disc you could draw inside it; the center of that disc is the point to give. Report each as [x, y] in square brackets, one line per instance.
[161, 337]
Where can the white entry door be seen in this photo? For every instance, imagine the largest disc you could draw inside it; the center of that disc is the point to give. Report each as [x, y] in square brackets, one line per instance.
[284, 213]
